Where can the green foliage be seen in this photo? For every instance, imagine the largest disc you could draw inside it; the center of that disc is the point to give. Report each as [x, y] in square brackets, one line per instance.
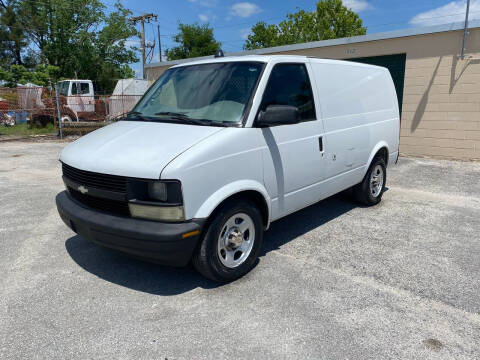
[330, 20]
[3, 75]
[110, 54]
[12, 34]
[77, 37]
[43, 75]
[194, 40]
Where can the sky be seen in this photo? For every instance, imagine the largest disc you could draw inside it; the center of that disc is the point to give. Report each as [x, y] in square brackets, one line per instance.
[232, 19]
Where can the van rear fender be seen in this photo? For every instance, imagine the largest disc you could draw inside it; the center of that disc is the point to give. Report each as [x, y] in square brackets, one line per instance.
[380, 145]
[230, 190]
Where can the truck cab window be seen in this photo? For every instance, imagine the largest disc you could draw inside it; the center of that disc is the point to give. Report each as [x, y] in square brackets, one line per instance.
[84, 88]
[63, 88]
[289, 85]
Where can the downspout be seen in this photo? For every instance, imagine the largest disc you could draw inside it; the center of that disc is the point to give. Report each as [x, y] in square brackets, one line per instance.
[465, 31]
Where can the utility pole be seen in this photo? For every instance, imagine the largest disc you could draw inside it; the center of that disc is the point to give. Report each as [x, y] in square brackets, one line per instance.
[159, 43]
[142, 19]
[58, 112]
[465, 31]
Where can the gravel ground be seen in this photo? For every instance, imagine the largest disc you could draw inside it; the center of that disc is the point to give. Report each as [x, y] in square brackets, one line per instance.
[399, 280]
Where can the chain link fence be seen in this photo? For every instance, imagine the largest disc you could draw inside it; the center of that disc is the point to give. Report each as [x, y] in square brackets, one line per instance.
[37, 106]
[17, 105]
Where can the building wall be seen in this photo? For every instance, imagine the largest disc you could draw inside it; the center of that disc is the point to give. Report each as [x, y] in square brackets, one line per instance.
[441, 101]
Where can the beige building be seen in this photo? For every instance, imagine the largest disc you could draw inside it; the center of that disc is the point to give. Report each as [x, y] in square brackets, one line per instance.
[439, 93]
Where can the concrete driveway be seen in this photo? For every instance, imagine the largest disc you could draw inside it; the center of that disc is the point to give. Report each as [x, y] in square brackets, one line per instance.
[399, 280]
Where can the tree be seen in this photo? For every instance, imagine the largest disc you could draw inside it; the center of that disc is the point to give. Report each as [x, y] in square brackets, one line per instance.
[262, 36]
[12, 34]
[77, 36]
[330, 20]
[194, 40]
[43, 75]
[111, 54]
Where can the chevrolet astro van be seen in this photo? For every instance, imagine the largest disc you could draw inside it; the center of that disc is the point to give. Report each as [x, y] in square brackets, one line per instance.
[218, 149]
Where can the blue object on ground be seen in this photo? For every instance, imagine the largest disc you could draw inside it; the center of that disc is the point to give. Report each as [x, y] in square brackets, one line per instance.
[20, 117]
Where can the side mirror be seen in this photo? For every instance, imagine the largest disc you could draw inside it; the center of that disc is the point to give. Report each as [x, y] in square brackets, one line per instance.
[275, 115]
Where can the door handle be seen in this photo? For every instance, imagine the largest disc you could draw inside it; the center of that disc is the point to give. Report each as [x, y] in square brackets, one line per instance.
[320, 144]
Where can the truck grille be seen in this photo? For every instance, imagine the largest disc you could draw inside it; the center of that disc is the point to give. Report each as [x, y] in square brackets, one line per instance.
[102, 204]
[96, 180]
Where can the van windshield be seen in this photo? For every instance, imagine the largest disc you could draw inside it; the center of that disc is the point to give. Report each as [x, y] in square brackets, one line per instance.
[207, 94]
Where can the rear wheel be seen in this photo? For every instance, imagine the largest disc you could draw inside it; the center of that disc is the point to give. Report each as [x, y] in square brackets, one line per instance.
[232, 242]
[370, 190]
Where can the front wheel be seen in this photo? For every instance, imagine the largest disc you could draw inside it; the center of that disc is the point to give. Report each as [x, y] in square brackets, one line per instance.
[369, 192]
[232, 242]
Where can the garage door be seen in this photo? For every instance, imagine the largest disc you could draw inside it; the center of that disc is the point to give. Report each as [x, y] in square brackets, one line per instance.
[396, 65]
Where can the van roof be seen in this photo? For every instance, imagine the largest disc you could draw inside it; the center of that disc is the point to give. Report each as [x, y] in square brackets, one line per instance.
[258, 58]
[268, 58]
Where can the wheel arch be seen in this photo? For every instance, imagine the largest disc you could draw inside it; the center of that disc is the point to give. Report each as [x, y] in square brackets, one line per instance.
[382, 149]
[251, 190]
[67, 111]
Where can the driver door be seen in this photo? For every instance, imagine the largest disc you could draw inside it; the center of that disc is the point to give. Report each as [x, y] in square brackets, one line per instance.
[293, 154]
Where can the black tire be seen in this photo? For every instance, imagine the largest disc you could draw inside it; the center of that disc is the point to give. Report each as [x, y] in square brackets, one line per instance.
[206, 258]
[362, 191]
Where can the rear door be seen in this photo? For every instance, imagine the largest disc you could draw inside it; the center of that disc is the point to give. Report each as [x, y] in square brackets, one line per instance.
[395, 64]
[293, 154]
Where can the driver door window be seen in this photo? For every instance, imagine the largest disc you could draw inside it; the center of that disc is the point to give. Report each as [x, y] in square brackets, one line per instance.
[289, 85]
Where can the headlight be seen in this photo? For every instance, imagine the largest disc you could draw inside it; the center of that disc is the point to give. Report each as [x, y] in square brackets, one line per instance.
[157, 190]
[157, 212]
[159, 200]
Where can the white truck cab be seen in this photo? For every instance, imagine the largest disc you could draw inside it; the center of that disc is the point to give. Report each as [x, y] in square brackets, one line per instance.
[218, 149]
[78, 96]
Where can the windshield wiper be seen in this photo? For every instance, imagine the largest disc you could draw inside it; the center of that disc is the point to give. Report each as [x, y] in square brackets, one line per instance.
[183, 118]
[170, 113]
[138, 115]
[187, 119]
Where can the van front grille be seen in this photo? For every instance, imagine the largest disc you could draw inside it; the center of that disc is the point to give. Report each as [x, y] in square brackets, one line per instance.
[96, 180]
[102, 204]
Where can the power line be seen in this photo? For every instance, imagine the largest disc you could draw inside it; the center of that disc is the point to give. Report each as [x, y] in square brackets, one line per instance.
[230, 41]
[393, 9]
[233, 25]
[369, 26]
[139, 11]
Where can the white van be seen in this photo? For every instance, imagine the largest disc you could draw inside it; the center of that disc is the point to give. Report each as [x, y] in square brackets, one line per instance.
[218, 149]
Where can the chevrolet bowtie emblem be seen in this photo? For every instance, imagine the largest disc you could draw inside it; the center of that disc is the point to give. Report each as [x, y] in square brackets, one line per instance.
[82, 189]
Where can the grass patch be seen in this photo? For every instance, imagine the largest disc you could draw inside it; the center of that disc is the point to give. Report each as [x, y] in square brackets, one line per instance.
[25, 130]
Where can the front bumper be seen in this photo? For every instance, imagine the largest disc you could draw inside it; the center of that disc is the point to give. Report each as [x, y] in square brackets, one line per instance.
[160, 242]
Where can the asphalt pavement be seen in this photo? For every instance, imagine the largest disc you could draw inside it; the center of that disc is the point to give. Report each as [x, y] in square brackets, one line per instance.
[400, 280]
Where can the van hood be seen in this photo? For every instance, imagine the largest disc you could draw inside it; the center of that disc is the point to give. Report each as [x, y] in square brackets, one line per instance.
[133, 148]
